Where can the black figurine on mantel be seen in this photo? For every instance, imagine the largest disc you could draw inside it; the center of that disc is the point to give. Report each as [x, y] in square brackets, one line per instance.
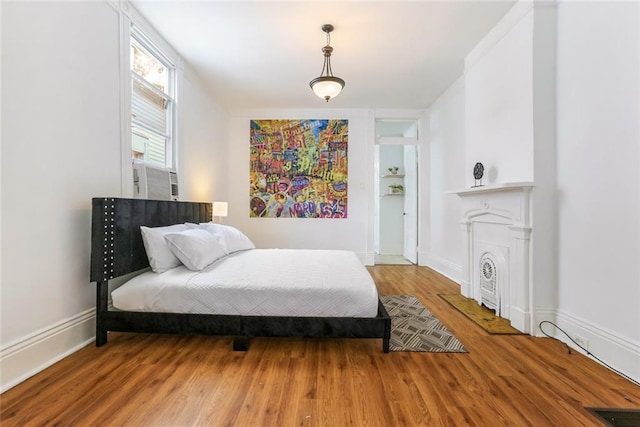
[478, 171]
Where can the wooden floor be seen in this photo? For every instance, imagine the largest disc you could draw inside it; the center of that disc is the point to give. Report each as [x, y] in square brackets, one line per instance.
[152, 380]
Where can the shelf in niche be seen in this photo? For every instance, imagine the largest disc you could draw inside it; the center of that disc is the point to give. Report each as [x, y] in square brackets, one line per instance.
[392, 194]
[392, 176]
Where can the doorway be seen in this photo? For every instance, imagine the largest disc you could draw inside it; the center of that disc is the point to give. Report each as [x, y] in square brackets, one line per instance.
[396, 192]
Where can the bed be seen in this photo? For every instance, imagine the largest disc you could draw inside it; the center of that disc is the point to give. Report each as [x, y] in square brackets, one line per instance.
[117, 249]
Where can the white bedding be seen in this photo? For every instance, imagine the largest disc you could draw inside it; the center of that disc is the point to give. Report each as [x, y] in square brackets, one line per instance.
[262, 282]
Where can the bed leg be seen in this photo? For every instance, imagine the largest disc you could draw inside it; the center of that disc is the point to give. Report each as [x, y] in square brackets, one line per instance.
[101, 338]
[102, 289]
[387, 336]
[240, 343]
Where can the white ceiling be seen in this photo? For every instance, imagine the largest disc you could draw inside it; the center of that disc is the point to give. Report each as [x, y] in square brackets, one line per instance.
[262, 54]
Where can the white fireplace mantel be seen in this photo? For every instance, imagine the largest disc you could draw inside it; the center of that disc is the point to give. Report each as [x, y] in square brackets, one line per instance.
[507, 186]
[496, 226]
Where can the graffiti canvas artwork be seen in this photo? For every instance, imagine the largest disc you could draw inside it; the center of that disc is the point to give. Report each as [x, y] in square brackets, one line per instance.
[298, 168]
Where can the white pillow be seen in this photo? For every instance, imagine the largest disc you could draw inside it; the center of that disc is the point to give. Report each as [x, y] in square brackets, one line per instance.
[196, 248]
[233, 239]
[160, 256]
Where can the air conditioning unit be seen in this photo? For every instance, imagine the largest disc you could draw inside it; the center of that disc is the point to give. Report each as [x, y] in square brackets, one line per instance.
[154, 182]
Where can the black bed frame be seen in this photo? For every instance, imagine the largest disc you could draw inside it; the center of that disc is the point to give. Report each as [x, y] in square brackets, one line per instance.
[117, 249]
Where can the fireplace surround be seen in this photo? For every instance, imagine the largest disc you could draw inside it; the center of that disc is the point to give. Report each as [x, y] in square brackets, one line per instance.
[496, 266]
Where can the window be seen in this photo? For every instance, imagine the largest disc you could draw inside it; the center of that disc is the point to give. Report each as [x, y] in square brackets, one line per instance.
[152, 102]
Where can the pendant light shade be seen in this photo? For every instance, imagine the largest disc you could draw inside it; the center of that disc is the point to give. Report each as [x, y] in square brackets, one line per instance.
[327, 86]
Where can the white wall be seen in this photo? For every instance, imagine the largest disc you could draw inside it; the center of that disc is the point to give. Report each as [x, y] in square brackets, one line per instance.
[599, 186]
[499, 106]
[61, 147]
[447, 142]
[203, 143]
[544, 209]
[486, 116]
[351, 233]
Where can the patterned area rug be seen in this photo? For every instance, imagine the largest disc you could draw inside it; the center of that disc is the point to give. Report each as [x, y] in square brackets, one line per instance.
[481, 315]
[414, 328]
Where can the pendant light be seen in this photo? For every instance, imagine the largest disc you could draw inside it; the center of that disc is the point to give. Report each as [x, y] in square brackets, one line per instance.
[327, 86]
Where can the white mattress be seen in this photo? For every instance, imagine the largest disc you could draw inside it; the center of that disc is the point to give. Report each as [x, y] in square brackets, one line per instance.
[262, 282]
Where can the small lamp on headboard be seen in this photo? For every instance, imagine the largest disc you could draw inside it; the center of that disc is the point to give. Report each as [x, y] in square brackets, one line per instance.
[220, 209]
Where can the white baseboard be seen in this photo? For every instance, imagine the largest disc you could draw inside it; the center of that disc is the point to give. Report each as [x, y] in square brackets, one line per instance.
[370, 258]
[445, 267]
[26, 357]
[618, 352]
[367, 258]
[520, 319]
[542, 314]
[423, 259]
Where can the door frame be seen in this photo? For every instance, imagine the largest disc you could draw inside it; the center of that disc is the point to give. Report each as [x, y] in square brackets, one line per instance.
[415, 120]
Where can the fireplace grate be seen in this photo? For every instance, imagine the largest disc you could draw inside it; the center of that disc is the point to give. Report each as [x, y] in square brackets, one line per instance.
[489, 282]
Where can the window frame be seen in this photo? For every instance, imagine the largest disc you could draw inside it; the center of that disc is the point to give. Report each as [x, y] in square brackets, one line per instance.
[129, 18]
[141, 37]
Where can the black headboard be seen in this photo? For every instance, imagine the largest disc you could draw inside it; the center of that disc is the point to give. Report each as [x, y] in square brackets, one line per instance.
[116, 241]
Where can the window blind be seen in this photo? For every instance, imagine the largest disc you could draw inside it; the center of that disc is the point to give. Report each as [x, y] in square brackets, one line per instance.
[149, 116]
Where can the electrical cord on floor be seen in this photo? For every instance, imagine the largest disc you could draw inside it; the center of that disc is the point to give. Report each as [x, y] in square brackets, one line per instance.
[584, 349]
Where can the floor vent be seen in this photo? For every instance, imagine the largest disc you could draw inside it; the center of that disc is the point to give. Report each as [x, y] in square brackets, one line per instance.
[615, 417]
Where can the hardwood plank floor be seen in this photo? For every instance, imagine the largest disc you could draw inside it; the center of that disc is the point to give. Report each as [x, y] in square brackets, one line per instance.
[161, 380]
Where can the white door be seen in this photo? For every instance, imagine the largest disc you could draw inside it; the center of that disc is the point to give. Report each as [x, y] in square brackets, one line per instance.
[411, 204]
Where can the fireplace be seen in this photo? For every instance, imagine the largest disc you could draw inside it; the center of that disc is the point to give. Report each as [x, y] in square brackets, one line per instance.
[496, 226]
